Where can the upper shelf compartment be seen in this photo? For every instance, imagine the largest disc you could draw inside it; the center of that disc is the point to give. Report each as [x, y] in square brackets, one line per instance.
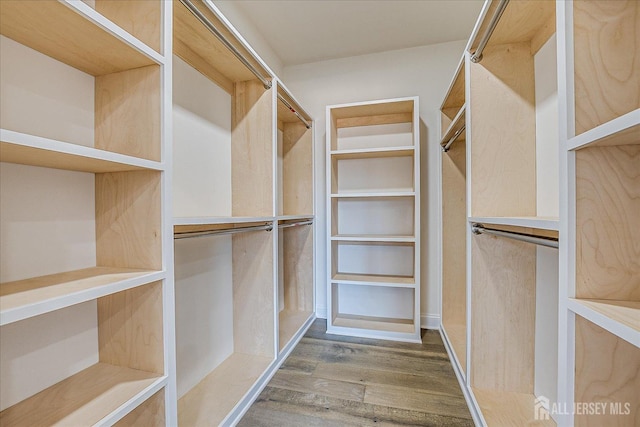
[372, 125]
[202, 38]
[606, 57]
[452, 111]
[513, 105]
[84, 38]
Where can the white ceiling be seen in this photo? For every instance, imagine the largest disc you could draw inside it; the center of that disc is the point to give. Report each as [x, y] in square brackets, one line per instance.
[303, 31]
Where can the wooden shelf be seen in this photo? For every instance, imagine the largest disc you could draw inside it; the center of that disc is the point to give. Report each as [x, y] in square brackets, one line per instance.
[506, 409]
[372, 238]
[294, 217]
[540, 223]
[289, 323]
[624, 130]
[75, 34]
[455, 94]
[30, 297]
[209, 402]
[373, 113]
[25, 149]
[457, 122]
[85, 398]
[372, 153]
[372, 194]
[457, 335]
[284, 114]
[621, 318]
[226, 220]
[386, 324]
[374, 280]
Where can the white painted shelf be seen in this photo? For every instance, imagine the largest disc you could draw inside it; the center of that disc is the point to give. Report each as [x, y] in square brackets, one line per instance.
[541, 223]
[374, 194]
[99, 395]
[624, 130]
[621, 318]
[456, 123]
[31, 297]
[25, 149]
[372, 238]
[374, 280]
[373, 153]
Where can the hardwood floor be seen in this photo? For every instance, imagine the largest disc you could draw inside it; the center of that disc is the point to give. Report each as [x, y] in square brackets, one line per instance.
[331, 380]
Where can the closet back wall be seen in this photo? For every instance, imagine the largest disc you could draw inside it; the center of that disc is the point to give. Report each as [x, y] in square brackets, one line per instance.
[424, 71]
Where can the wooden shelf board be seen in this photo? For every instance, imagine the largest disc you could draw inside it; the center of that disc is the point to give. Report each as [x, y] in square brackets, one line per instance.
[624, 130]
[372, 238]
[289, 323]
[374, 280]
[455, 94]
[457, 122]
[405, 326]
[374, 194]
[75, 34]
[457, 335]
[363, 110]
[284, 114]
[198, 47]
[294, 217]
[373, 153]
[537, 222]
[213, 398]
[84, 398]
[25, 149]
[621, 318]
[30, 297]
[507, 409]
[182, 222]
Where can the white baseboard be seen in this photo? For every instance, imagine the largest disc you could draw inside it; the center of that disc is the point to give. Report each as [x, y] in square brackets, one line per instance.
[430, 321]
[321, 312]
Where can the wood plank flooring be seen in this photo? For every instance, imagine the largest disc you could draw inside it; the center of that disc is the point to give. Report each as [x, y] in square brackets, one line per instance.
[331, 380]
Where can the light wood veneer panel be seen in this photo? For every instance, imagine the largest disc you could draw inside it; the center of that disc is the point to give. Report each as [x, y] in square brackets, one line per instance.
[503, 314]
[607, 60]
[608, 223]
[127, 113]
[504, 409]
[128, 221]
[607, 370]
[298, 268]
[503, 132]
[150, 413]
[130, 328]
[297, 173]
[253, 298]
[141, 18]
[252, 150]
[82, 399]
[52, 28]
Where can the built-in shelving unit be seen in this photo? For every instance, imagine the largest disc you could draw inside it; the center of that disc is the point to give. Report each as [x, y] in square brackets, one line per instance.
[557, 167]
[85, 299]
[373, 210]
[243, 218]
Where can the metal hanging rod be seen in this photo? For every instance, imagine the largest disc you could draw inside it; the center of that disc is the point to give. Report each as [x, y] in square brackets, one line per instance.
[190, 234]
[293, 110]
[523, 237]
[453, 138]
[296, 224]
[205, 21]
[477, 55]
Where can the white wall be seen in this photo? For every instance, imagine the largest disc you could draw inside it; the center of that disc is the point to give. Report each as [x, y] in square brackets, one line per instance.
[424, 71]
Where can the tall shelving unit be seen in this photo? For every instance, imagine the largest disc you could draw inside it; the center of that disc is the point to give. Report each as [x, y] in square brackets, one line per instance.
[243, 183]
[545, 328]
[373, 216]
[86, 300]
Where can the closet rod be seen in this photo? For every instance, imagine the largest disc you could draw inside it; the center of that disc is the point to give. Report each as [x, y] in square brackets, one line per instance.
[205, 21]
[296, 224]
[523, 237]
[190, 234]
[293, 110]
[477, 55]
[445, 146]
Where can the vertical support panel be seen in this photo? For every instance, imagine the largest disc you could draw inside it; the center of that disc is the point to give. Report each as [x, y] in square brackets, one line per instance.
[252, 150]
[298, 268]
[503, 129]
[130, 328]
[503, 314]
[128, 220]
[141, 18]
[297, 176]
[253, 293]
[128, 112]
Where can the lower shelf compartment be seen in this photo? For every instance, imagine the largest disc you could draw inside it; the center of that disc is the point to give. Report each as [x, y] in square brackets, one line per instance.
[290, 323]
[386, 324]
[209, 402]
[457, 335]
[502, 408]
[84, 398]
